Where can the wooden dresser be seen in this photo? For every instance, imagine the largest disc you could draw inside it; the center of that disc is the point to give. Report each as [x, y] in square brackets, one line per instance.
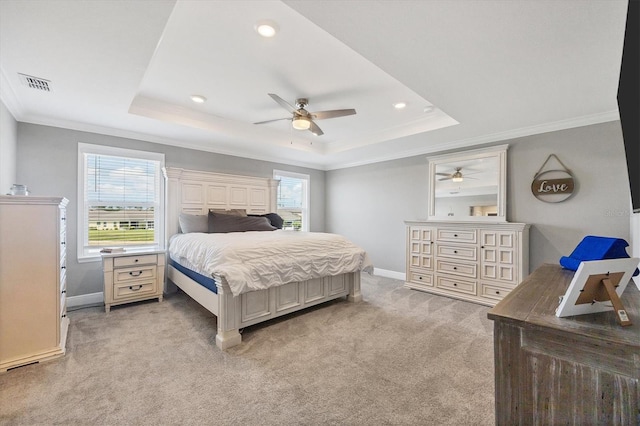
[472, 261]
[576, 370]
[33, 320]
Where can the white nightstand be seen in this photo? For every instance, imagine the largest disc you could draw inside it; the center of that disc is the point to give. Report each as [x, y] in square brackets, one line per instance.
[132, 276]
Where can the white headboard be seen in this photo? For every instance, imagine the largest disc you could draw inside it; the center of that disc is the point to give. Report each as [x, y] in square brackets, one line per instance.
[195, 192]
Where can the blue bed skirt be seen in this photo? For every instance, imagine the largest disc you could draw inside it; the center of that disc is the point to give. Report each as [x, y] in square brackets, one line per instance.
[204, 281]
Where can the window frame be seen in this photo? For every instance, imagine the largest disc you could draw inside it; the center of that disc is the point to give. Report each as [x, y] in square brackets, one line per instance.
[306, 216]
[92, 255]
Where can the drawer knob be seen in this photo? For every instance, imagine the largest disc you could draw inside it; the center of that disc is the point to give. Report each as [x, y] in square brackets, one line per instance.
[64, 291]
[64, 315]
[419, 278]
[455, 235]
[135, 273]
[455, 251]
[455, 268]
[497, 292]
[63, 267]
[455, 284]
[137, 260]
[138, 287]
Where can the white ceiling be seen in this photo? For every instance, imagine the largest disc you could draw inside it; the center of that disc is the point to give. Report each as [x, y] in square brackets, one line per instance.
[491, 70]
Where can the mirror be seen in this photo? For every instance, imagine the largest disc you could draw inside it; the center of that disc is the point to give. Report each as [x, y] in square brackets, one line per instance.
[468, 185]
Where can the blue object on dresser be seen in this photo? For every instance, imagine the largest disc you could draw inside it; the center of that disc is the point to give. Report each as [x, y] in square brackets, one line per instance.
[596, 248]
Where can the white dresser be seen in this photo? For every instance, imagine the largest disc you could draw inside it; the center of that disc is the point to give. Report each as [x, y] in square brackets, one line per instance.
[33, 314]
[477, 262]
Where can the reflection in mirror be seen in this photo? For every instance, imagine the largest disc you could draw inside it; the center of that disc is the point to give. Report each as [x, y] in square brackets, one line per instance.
[468, 185]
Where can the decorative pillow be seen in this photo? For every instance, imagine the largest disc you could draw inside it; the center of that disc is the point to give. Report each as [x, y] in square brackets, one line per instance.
[232, 212]
[193, 223]
[219, 223]
[274, 219]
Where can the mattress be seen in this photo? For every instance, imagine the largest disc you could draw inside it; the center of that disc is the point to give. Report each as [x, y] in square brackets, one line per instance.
[258, 260]
[203, 280]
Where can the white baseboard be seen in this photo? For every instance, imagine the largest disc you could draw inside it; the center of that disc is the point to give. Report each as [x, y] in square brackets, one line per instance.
[390, 274]
[85, 299]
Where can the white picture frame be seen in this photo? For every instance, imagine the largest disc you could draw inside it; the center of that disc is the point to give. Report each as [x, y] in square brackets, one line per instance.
[585, 285]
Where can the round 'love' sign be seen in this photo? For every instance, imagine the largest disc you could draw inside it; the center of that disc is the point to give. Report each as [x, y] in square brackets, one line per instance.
[553, 186]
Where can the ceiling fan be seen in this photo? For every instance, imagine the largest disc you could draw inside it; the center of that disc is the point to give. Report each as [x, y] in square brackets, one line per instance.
[301, 119]
[455, 176]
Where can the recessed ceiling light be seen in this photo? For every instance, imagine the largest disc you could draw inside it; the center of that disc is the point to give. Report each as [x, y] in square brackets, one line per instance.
[266, 28]
[199, 99]
[399, 105]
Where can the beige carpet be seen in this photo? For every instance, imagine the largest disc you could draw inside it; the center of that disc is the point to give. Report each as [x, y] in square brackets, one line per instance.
[399, 357]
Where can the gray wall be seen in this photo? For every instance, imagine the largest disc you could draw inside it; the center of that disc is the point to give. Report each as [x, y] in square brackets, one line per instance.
[368, 204]
[8, 143]
[47, 162]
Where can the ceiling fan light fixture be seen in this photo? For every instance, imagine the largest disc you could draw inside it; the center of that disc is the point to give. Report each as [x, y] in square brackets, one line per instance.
[266, 28]
[457, 179]
[301, 123]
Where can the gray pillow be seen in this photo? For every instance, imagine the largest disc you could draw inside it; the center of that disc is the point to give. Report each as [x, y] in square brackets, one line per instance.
[232, 212]
[193, 223]
[227, 223]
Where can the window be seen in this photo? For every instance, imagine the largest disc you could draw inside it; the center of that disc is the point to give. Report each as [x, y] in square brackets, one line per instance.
[293, 199]
[120, 199]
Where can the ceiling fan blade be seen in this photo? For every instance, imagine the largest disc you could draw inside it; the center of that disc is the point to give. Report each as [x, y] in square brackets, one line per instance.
[446, 178]
[313, 128]
[270, 121]
[323, 115]
[443, 174]
[284, 104]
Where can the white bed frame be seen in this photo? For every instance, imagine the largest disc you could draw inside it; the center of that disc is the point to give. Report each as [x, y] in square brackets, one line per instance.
[196, 192]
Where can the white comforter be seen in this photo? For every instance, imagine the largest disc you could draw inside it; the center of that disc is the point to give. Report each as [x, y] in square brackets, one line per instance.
[258, 260]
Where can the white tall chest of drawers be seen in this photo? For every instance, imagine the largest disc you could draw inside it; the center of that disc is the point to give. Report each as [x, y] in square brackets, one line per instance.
[33, 320]
[477, 262]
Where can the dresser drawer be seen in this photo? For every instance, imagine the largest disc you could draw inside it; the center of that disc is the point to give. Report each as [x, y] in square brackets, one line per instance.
[146, 259]
[419, 278]
[456, 268]
[125, 291]
[460, 236]
[493, 292]
[461, 286]
[143, 272]
[455, 252]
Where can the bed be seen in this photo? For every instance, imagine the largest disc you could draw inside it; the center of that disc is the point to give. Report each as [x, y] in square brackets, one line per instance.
[192, 192]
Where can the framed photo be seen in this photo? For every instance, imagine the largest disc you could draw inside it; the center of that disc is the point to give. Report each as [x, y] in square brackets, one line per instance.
[588, 293]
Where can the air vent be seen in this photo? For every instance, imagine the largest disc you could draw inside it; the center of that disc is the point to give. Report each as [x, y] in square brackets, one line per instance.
[35, 82]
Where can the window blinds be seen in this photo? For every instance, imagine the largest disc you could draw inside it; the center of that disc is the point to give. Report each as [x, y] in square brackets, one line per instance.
[121, 200]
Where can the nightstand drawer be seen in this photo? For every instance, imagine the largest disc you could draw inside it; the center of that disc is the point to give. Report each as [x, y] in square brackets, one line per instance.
[119, 262]
[125, 291]
[126, 275]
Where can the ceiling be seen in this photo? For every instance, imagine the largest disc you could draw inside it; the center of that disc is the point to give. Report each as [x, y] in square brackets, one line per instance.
[470, 72]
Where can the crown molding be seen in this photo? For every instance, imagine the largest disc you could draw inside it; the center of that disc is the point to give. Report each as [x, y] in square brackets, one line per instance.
[9, 98]
[587, 120]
